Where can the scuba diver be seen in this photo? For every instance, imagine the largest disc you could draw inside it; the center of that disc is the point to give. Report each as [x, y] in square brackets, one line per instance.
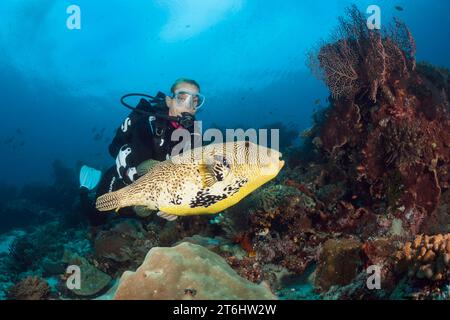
[145, 134]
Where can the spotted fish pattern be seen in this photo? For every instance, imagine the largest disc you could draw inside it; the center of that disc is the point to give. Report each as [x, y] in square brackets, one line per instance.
[204, 180]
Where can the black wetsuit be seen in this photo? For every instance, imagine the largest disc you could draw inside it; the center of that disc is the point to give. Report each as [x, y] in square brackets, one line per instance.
[140, 137]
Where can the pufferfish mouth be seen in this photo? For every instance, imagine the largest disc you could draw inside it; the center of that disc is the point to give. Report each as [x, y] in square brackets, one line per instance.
[272, 161]
[281, 162]
[276, 164]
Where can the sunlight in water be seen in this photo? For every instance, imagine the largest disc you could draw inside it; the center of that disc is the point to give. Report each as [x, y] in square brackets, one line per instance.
[189, 18]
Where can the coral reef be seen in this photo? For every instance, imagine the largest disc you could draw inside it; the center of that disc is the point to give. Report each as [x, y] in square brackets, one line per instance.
[273, 225]
[93, 281]
[426, 257]
[266, 200]
[441, 220]
[373, 175]
[246, 267]
[187, 272]
[28, 251]
[216, 244]
[39, 252]
[408, 270]
[386, 132]
[30, 288]
[170, 233]
[123, 246]
[339, 263]
[22, 254]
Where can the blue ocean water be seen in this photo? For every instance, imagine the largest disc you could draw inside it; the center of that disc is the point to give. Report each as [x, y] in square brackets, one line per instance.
[57, 84]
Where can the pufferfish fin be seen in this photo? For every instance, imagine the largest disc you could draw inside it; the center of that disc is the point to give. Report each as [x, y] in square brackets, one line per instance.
[221, 167]
[167, 216]
[215, 171]
[146, 166]
[207, 175]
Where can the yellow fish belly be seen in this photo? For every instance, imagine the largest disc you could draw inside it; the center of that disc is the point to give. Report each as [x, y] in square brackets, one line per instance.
[220, 205]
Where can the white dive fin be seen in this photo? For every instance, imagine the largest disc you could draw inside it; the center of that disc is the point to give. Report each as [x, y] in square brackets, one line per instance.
[89, 177]
[167, 216]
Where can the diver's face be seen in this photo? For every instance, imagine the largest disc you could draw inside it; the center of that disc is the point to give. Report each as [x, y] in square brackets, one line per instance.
[183, 103]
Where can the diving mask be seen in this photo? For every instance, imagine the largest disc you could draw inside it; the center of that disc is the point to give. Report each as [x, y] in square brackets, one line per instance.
[189, 99]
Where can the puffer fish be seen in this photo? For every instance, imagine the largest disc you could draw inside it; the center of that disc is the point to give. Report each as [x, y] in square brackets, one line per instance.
[203, 180]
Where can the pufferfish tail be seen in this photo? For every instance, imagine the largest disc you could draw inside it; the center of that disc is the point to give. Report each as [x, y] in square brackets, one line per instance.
[110, 201]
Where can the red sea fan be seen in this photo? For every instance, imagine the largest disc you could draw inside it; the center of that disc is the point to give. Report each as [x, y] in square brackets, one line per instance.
[359, 60]
[339, 63]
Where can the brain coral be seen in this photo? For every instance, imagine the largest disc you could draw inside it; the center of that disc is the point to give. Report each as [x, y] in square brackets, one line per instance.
[186, 272]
